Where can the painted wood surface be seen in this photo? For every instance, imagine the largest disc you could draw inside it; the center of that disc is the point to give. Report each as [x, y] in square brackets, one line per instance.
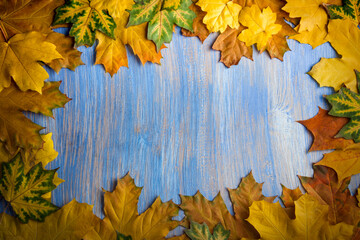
[190, 124]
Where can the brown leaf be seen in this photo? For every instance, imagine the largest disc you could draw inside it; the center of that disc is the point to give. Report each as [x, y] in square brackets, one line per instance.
[197, 208]
[288, 197]
[232, 49]
[326, 188]
[64, 45]
[199, 28]
[25, 16]
[324, 127]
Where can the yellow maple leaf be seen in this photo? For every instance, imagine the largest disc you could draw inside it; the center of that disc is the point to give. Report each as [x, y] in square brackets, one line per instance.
[311, 221]
[261, 26]
[344, 36]
[72, 221]
[313, 19]
[340, 160]
[112, 53]
[19, 60]
[220, 14]
[122, 217]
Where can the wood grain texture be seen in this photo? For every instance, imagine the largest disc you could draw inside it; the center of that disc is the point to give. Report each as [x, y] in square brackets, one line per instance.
[188, 124]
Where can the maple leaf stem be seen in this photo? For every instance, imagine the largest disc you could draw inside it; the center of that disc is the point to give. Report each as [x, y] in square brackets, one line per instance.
[3, 32]
[2, 217]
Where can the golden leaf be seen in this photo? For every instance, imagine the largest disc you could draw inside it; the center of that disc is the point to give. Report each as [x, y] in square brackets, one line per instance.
[72, 221]
[261, 26]
[344, 36]
[121, 215]
[220, 14]
[19, 60]
[272, 222]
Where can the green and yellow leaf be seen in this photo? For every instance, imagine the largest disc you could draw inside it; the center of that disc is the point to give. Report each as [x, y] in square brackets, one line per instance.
[346, 103]
[161, 17]
[202, 232]
[85, 19]
[24, 191]
[20, 60]
[350, 9]
[112, 53]
[72, 221]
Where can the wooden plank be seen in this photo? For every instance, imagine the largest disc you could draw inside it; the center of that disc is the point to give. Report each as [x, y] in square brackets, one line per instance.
[188, 124]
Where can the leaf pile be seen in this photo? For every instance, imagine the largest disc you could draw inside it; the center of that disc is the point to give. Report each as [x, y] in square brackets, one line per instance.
[242, 24]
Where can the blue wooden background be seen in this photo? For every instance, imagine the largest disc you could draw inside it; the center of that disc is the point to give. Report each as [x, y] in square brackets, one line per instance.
[188, 124]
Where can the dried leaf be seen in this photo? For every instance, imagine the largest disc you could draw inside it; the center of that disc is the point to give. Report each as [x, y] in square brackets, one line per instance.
[345, 162]
[112, 53]
[199, 28]
[26, 16]
[19, 60]
[86, 19]
[121, 215]
[231, 48]
[17, 131]
[64, 45]
[202, 232]
[328, 189]
[272, 222]
[198, 209]
[70, 222]
[350, 9]
[261, 26]
[344, 36]
[24, 191]
[324, 128]
[288, 197]
[220, 14]
[161, 19]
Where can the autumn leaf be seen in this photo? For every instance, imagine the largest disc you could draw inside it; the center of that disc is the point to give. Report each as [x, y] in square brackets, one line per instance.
[85, 19]
[31, 157]
[121, 215]
[261, 26]
[346, 103]
[72, 221]
[345, 162]
[17, 131]
[64, 45]
[231, 48]
[288, 198]
[202, 232]
[198, 209]
[344, 36]
[272, 222]
[324, 128]
[161, 19]
[26, 16]
[199, 28]
[350, 9]
[220, 14]
[330, 190]
[313, 19]
[19, 60]
[24, 191]
[112, 53]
